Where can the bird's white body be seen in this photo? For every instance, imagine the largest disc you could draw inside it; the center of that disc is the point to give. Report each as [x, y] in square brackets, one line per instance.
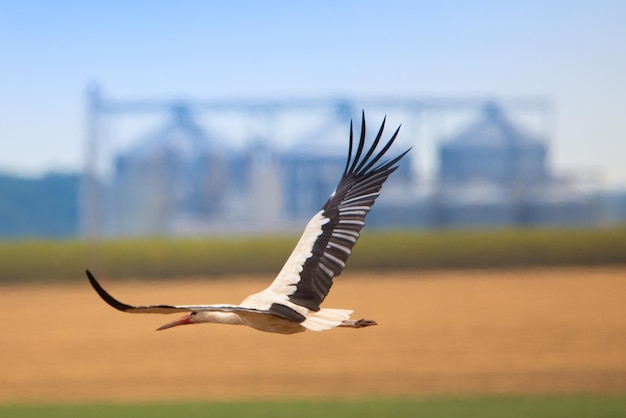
[285, 284]
[291, 303]
[321, 320]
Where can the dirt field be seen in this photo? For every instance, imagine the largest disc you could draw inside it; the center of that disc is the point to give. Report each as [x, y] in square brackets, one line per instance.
[473, 332]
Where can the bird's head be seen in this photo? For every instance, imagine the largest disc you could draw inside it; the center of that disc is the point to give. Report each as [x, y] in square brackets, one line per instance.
[190, 318]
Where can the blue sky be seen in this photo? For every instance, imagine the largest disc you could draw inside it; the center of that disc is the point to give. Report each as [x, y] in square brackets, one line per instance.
[569, 51]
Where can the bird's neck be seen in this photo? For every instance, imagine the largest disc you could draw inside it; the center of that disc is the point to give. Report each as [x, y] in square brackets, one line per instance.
[231, 318]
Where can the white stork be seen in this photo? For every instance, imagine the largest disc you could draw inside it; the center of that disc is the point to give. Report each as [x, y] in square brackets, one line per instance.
[292, 302]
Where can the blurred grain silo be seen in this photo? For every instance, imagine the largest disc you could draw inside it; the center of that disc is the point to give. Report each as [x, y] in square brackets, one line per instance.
[493, 150]
[495, 173]
[311, 167]
[171, 177]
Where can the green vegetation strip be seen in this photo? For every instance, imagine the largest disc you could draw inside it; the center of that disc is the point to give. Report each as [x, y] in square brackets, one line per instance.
[571, 406]
[24, 261]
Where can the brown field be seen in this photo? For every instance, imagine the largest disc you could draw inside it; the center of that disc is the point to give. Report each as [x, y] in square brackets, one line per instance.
[472, 332]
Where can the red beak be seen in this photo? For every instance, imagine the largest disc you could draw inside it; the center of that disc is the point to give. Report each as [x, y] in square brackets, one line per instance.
[181, 321]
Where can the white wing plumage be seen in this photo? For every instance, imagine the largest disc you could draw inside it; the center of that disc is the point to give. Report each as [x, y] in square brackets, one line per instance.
[322, 251]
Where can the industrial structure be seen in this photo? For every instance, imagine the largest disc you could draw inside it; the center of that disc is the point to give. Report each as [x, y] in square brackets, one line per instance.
[187, 173]
[495, 173]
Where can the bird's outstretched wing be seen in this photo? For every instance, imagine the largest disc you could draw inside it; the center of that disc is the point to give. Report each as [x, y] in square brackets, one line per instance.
[328, 238]
[164, 309]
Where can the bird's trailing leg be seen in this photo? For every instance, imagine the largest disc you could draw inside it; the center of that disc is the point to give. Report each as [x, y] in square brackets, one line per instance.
[361, 323]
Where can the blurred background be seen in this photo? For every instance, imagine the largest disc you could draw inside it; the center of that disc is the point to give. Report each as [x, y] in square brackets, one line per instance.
[155, 119]
[191, 142]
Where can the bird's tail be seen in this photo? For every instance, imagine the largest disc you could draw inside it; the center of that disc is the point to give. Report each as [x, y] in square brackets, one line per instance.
[325, 319]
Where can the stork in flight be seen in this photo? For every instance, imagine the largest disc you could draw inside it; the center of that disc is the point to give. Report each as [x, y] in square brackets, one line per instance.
[292, 302]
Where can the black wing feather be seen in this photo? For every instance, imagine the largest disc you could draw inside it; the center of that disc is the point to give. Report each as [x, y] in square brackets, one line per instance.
[167, 309]
[346, 210]
[361, 145]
